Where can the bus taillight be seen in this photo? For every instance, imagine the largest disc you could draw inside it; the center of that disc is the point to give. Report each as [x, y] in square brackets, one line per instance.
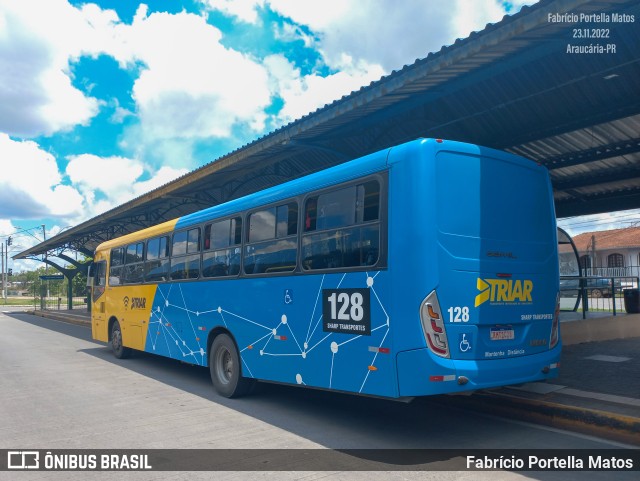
[433, 326]
[555, 325]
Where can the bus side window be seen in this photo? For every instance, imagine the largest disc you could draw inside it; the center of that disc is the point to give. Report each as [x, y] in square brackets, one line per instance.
[221, 256]
[337, 208]
[100, 279]
[133, 271]
[101, 274]
[272, 237]
[156, 266]
[342, 228]
[116, 266]
[185, 254]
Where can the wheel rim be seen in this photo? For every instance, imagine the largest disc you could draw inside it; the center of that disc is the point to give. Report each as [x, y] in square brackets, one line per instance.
[116, 339]
[224, 365]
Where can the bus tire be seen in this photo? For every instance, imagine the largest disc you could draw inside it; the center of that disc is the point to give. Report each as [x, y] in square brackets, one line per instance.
[117, 347]
[225, 368]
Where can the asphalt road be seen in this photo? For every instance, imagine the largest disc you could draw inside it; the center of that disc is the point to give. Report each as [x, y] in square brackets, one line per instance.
[61, 390]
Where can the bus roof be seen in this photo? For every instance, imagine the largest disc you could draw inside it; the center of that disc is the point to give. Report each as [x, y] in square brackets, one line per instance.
[153, 231]
[353, 169]
[345, 172]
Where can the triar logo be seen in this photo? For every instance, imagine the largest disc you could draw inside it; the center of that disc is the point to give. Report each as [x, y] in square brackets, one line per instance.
[125, 301]
[505, 291]
[138, 303]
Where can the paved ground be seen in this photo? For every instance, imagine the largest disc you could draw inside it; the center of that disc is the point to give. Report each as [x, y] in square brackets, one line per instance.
[59, 389]
[596, 393]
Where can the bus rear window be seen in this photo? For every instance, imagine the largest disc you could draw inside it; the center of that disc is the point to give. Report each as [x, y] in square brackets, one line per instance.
[492, 198]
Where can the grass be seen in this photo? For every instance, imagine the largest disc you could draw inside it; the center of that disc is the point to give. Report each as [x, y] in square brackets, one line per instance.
[18, 301]
[31, 301]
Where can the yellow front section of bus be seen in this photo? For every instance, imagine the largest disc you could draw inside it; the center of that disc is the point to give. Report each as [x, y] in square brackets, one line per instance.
[131, 306]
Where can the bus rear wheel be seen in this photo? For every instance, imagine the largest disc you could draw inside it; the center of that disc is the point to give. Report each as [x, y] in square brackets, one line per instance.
[226, 372]
[117, 346]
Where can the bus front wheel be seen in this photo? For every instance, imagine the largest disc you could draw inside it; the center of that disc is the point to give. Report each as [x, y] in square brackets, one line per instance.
[117, 346]
[226, 372]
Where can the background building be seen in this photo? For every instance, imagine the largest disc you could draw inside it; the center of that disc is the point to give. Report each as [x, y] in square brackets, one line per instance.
[610, 253]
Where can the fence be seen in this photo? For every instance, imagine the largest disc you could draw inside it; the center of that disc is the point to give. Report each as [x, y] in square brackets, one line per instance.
[629, 271]
[595, 293]
[47, 295]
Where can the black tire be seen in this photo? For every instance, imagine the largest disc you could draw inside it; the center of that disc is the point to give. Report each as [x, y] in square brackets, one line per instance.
[226, 370]
[597, 293]
[117, 347]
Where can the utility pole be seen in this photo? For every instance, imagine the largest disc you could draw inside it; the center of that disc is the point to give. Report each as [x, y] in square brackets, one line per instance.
[593, 249]
[46, 266]
[2, 255]
[6, 263]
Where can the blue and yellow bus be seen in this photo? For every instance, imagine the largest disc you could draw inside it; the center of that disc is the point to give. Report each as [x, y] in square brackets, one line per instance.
[426, 268]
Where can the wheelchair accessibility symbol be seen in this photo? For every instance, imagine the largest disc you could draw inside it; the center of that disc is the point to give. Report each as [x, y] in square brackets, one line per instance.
[465, 345]
[288, 296]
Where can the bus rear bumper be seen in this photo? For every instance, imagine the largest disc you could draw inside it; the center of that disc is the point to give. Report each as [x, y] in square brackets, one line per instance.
[420, 373]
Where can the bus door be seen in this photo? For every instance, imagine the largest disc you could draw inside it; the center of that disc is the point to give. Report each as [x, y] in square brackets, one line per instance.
[98, 308]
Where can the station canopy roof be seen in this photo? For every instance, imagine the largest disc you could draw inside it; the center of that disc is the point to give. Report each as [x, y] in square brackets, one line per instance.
[512, 86]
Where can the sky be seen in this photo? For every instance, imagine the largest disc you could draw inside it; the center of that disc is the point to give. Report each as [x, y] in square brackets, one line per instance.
[101, 102]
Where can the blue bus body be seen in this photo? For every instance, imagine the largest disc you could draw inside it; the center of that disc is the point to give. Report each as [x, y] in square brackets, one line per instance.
[464, 295]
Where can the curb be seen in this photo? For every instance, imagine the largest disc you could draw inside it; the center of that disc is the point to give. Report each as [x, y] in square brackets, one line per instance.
[600, 329]
[79, 320]
[612, 426]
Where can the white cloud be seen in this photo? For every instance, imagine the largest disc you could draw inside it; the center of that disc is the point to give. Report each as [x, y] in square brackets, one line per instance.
[163, 176]
[106, 182]
[20, 242]
[304, 94]
[516, 5]
[107, 174]
[191, 79]
[244, 10]
[119, 113]
[377, 32]
[289, 32]
[37, 41]
[600, 222]
[6, 226]
[30, 186]
[320, 15]
[190, 86]
[24, 238]
[473, 15]
[360, 41]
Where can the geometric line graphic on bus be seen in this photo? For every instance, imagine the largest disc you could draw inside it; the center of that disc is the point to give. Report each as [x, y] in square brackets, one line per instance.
[181, 329]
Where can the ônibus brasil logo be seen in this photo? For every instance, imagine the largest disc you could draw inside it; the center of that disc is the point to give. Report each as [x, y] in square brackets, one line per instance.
[504, 291]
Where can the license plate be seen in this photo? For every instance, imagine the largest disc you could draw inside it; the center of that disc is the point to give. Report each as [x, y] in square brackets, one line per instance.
[501, 334]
